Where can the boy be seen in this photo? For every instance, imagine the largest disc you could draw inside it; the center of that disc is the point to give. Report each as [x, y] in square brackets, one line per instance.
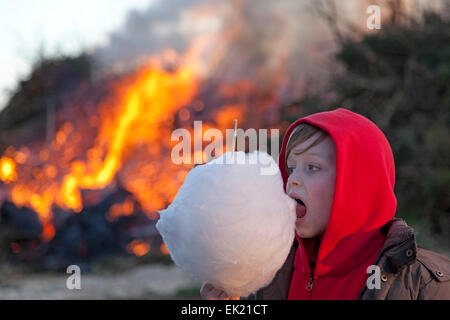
[339, 168]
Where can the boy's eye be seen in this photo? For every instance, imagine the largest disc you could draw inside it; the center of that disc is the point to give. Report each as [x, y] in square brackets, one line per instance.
[310, 167]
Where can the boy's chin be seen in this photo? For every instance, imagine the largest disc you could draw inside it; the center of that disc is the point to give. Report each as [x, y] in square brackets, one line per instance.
[305, 233]
[302, 233]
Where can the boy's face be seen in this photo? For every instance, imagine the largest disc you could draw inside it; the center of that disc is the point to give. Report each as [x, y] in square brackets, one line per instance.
[311, 179]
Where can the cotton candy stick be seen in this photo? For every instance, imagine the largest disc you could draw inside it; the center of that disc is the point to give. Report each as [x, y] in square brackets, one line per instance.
[233, 143]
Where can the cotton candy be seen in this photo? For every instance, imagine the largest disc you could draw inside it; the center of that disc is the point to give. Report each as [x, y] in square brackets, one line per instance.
[230, 224]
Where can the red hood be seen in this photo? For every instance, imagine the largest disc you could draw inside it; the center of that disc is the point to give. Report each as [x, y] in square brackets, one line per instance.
[364, 198]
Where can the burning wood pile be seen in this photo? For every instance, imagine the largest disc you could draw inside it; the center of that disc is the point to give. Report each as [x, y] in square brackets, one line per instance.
[85, 159]
[95, 188]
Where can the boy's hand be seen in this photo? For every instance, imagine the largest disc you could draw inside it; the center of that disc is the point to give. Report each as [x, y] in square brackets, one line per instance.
[209, 292]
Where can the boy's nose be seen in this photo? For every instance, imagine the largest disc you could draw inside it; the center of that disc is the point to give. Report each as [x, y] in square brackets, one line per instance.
[295, 180]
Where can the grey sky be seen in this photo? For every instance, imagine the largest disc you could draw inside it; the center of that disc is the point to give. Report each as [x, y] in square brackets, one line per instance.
[64, 26]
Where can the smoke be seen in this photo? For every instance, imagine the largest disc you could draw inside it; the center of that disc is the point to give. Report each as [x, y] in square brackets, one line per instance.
[284, 44]
[247, 35]
[165, 24]
[277, 50]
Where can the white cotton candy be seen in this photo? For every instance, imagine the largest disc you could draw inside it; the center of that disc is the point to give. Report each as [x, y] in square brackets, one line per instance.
[230, 224]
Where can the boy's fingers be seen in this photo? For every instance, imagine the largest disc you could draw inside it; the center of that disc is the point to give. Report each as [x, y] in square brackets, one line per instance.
[224, 296]
[206, 289]
[214, 294]
[209, 292]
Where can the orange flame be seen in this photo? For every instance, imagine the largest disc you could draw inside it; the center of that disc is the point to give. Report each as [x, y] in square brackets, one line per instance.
[15, 247]
[138, 247]
[120, 209]
[133, 130]
[7, 170]
[48, 232]
[149, 99]
[163, 249]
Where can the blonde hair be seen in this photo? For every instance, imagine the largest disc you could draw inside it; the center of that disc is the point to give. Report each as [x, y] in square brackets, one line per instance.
[301, 133]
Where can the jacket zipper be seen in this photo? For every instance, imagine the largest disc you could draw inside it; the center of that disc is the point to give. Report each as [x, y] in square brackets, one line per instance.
[309, 287]
[310, 284]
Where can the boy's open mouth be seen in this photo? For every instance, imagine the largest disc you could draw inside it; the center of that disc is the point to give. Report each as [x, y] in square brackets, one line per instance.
[300, 209]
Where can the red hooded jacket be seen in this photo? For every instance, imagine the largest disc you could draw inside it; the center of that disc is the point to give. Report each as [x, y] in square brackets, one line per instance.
[364, 201]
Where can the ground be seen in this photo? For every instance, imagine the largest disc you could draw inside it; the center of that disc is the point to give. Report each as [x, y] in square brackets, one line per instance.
[152, 281]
